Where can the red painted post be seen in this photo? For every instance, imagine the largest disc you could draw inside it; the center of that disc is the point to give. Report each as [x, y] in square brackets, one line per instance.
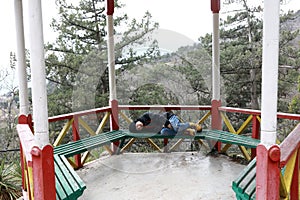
[216, 120]
[114, 121]
[43, 173]
[255, 133]
[114, 117]
[267, 172]
[215, 6]
[166, 141]
[22, 119]
[110, 7]
[30, 122]
[75, 131]
[294, 193]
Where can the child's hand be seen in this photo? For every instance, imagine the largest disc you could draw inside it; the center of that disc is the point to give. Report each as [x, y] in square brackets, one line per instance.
[170, 126]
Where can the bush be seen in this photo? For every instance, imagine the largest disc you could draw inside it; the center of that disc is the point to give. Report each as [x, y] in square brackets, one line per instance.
[10, 181]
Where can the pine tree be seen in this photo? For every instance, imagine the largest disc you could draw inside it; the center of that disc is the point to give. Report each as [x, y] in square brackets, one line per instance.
[77, 61]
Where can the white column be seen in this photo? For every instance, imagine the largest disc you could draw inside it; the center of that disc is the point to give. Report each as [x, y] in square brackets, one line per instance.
[21, 61]
[270, 72]
[216, 58]
[38, 75]
[111, 58]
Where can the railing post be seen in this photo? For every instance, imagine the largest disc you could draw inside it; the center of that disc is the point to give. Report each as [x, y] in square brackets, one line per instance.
[216, 100]
[114, 121]
[23, 119]
[75, 132]
[43, 173]
[216, 120]
[255, 133]
[267, 172]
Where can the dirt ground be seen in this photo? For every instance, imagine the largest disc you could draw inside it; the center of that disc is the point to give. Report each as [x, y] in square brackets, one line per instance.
[160, 176]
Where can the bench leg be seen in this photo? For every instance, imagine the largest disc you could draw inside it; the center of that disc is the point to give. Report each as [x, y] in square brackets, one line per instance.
[121, 144]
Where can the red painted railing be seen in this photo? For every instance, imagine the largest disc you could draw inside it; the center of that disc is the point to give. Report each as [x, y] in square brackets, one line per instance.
[38, 180]
[75, 120]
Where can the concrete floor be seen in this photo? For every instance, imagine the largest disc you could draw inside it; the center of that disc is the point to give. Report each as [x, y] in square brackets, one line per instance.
[160, 176]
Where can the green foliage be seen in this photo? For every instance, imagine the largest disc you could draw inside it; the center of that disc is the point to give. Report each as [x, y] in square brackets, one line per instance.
[241, 62]
[76, 62]
[294, 106]
[10, 181]
[241, 58]
[152, 94]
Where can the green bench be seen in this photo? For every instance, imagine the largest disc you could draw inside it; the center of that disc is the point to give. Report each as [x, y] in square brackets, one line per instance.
[88, 143]
[245, 185]
[230, 138]
[221, 136]
[68, 184]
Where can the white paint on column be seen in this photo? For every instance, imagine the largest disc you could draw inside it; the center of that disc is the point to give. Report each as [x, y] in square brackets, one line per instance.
[216, 58]
[21, 61]
[111, 58]
[38, 75]
[270, 72]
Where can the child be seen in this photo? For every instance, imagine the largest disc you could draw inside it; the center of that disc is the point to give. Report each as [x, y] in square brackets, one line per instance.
[166, 123]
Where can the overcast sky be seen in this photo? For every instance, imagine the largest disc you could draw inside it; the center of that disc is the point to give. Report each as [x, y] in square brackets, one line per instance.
[191, 18]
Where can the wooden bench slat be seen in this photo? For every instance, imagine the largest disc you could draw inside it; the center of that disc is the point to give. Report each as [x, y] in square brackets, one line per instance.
[251, 189]
[60, 193]
[68, 183]
[63, 190]
[75, 180]
[245, 172]
[244, 186]
[70, 175]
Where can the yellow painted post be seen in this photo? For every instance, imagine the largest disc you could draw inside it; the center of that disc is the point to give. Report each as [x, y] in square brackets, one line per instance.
[30, 180]
[153, 144]
[63, 132]
[204, 117]
[288, 173]
[103, 122]
[131, 141]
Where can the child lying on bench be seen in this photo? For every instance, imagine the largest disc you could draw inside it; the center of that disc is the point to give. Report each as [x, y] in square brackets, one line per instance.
[166, 123]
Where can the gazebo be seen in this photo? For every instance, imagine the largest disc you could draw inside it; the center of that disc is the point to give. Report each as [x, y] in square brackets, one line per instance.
[39, 153]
